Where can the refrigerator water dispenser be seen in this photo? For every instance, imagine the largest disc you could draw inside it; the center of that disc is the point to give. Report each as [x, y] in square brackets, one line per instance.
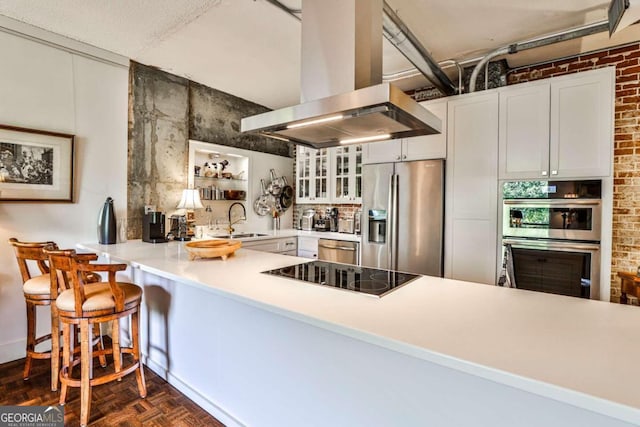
[377, 225]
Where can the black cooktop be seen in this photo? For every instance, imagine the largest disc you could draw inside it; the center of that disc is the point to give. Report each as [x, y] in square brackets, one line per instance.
[367, 280]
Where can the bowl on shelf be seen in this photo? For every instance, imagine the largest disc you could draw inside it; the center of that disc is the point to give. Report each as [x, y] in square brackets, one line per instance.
[235, 194]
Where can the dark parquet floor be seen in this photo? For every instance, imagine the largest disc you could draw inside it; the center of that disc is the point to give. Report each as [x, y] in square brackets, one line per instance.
[113, 404]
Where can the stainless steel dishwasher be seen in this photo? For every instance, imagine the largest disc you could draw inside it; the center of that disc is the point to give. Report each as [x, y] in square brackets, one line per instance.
[338, 251]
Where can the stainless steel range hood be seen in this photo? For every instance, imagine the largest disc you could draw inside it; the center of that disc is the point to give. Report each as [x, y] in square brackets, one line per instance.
[341, 75]
[369, 114]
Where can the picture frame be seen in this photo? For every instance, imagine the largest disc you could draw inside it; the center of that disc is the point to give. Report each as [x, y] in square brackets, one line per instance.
[36, 165]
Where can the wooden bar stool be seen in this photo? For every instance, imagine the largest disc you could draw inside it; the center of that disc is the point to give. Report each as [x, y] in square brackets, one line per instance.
[85, 305]
[37, 292]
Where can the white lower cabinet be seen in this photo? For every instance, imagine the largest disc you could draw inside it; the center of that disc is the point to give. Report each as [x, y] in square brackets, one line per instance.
[308, 247]
[471, 232]
[283, 245]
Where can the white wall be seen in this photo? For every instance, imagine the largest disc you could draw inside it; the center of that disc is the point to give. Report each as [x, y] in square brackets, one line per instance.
[52, 88]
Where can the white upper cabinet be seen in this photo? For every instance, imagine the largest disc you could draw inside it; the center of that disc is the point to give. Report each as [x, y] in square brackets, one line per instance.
[524, 131]
[346, 162]
[416, 148]
[382, 152]
[581, 143]
[557, 128]
[312, 175]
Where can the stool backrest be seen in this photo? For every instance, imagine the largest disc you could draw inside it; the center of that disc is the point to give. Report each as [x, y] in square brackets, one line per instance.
[31, 251]
[70, 270]
[61, 269]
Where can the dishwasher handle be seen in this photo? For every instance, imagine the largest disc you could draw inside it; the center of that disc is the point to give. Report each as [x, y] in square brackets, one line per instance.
[342, 248]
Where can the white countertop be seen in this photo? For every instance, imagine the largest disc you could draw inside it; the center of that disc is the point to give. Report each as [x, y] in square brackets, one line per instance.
[581, 352]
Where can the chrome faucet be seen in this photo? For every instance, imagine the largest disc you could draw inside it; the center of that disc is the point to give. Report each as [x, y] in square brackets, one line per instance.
[242, 218]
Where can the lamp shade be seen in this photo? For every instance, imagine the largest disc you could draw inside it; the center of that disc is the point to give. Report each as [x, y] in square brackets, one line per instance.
[190, 199]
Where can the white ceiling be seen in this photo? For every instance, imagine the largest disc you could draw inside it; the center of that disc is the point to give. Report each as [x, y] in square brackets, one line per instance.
[251, 49]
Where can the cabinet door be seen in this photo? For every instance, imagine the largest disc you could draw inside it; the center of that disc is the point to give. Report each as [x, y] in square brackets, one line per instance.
[471, 235]
[312, 175]
[382, 152]
[320, 189]
[523, 148]
[346, 162]
[303, 174]
[428, 146]
[582, 124]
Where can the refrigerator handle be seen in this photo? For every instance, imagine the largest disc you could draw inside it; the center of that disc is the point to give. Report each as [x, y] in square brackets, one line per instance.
[390, 224]
[393, 226]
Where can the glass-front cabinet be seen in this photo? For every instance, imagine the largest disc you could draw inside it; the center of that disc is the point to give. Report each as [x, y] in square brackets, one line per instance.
[347, 174]
[312, 175]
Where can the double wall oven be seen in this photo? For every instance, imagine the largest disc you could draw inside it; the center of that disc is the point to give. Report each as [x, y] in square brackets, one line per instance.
[551, 230]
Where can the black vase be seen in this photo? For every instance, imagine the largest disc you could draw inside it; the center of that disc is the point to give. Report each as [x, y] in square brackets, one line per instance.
[107, 224]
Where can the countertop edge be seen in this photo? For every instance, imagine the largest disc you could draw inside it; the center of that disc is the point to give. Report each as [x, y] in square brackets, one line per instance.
[562, 394]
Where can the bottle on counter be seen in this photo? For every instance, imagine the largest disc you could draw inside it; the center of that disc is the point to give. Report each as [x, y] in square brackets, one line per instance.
[107, 223]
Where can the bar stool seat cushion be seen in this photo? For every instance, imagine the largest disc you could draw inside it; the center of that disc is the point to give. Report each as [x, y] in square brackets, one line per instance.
[98, 297]
[38, 285]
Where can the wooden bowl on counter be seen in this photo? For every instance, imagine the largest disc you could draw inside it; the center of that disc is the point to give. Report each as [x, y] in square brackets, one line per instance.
[218, 248]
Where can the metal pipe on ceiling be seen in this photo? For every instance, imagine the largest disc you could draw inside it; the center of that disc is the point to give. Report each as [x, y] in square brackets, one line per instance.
[397, 33]
[292, 12]
[570, 34]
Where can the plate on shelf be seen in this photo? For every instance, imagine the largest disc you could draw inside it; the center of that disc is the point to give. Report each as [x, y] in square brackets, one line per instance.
[218, 248]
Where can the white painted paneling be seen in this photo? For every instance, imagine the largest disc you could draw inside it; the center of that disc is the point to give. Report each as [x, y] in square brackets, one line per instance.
[268, 368]
[42, 87]
[471, 211]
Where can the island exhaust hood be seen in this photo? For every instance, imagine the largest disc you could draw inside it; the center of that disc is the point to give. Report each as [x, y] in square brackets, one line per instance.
[341, 77]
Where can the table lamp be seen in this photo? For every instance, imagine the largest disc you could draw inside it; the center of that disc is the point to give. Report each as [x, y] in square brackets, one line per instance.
[190, 201]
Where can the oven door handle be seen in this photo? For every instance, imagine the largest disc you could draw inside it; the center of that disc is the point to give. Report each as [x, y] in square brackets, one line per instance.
[528, 244]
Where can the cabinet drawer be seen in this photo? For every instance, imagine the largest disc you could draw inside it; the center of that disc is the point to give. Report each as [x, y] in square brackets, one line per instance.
[263, 245]
[288, 244]
[273, 245]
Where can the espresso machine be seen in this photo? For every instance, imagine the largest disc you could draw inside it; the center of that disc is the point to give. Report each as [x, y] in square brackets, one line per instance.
[178, 228]
[153, 227]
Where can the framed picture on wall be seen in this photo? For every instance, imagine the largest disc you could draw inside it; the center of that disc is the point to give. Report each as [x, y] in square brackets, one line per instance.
[35, 165]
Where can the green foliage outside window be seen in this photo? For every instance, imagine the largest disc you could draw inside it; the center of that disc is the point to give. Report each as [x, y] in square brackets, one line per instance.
[529, 190]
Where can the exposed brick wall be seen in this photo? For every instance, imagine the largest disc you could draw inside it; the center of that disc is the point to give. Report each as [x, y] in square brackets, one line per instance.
[626, 187]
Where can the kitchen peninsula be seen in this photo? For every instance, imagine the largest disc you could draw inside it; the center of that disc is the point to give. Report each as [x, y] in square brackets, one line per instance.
[255, 349]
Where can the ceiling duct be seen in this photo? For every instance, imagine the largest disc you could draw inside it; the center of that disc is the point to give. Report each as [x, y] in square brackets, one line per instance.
[570, 34]
[342, 94]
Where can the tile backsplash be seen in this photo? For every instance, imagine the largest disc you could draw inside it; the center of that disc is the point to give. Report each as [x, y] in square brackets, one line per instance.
[344, 210]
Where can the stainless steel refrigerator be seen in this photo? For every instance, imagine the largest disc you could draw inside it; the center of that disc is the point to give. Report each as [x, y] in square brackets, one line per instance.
[403, 216]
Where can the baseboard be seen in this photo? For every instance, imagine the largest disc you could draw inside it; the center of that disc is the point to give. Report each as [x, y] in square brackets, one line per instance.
[14, 350]
[193, 394]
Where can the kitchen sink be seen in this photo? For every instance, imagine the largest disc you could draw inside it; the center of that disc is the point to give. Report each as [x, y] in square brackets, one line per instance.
[238, 236]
